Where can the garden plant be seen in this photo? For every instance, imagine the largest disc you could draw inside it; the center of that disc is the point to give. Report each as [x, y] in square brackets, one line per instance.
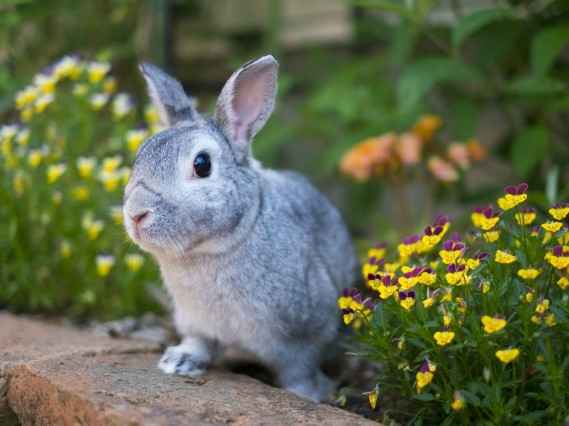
[62, 172]
[471, 329]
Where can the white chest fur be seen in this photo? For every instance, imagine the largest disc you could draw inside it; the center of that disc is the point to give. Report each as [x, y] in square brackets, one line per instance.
[204, 305]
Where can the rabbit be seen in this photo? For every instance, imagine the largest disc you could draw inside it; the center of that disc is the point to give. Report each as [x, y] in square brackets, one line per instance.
[252, 258]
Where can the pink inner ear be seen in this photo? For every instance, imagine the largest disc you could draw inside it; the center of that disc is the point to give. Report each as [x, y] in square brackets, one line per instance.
[248, 101]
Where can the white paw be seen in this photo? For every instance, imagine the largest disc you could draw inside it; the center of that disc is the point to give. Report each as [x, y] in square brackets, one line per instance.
[177, 360]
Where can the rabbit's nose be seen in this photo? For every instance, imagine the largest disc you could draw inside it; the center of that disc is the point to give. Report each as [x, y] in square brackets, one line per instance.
[139, 217]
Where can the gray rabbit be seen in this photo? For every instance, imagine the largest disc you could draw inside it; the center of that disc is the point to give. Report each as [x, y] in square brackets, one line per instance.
[252, 258]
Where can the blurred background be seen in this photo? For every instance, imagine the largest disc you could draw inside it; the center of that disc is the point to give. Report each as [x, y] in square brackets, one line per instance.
[397, 109]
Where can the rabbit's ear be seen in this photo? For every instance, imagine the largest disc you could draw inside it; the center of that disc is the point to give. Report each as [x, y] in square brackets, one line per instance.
[168, 96]
[246, 101]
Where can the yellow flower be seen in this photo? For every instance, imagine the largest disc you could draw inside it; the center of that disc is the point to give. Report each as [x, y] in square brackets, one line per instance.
[122, 105]
[85, 166]
[134, 261]
[504, 257]
[408, 283]
[117, 214]
[552, 226]
[65, 249]
[560, 211]
[443, 338]
[529, 296]
[536, 319]
[510, 201]
[407, 303]
[378, 252]
[542, 306]
[485, 287]
[109, 85]
[447, 296]
[97, 71]
[472, 263]
[423, 379]
[34, 158]
[428, 302]
[98, 100]
[26, 97]
[458, 402]
[558, 261]
[529, 273]
[104, 264]
[507, 355]
[54, 172]
[372, 397]
[124, 174]
[369, 269]
[151, 115]
[45, 83]
[19, 183]
[80, 89]
[427, 278]
[92, 227]
[447, 320]
[23, 137]
[68, 66]
[563, 283]
[425, 375]
[26, 114]
[43, 102]
[110, 180]
[110, 164]
[80, 193]
[493, 324]
[450, 256]
[457, 278]
[525, 218]
[487, 223]
[386, 291]
[550, 320]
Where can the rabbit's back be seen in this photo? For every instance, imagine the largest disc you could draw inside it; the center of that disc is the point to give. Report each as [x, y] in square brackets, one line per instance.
[300, 205]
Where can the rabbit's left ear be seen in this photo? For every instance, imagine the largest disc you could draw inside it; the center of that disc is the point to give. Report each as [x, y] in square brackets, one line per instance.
[247, 101]
[168, 96]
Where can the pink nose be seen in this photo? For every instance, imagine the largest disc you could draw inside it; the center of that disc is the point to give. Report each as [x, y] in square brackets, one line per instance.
[138, 218]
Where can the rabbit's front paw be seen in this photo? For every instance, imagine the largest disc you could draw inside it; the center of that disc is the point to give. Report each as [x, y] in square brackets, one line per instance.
[177, 360]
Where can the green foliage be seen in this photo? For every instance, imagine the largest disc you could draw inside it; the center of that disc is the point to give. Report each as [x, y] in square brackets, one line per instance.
[471, 331]
[62, 171]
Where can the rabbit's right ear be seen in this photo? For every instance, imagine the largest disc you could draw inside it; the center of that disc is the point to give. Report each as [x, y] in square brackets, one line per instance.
[168, 96]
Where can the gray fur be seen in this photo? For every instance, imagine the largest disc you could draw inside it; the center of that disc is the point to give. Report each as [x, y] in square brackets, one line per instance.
[252, 257]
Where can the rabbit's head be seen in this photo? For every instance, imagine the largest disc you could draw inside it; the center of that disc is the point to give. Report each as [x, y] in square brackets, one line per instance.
[194, 183]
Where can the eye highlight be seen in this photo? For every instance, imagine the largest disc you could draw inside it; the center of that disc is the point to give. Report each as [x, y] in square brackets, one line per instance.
[202, 165]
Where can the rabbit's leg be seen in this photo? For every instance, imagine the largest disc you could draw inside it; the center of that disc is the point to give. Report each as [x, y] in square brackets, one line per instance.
[190, 358]
[301, 375]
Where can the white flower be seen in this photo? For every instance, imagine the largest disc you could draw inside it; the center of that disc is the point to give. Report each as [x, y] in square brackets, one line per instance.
[98, 100]
[122, 105]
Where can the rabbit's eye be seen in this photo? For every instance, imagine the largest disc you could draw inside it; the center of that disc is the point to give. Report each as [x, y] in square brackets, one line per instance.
[202, 165]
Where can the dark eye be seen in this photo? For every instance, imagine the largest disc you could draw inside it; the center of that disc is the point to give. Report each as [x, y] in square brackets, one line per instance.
[202, 165]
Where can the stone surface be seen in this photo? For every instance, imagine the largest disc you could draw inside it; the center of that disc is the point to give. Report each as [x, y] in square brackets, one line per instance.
[53, 375]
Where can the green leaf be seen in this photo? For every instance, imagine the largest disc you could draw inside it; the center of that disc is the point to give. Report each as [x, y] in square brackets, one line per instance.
[529, 148]
[474, 22]
[536, 86]
[424, 397]
[546, 46]
[420, 77]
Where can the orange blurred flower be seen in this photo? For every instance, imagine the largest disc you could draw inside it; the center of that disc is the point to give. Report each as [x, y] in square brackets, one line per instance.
[442, 170]
[369, 157]
[476, 150]
[427, 126]
[459, 155]
[408, 148]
